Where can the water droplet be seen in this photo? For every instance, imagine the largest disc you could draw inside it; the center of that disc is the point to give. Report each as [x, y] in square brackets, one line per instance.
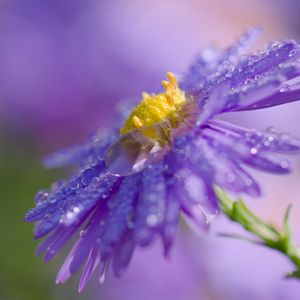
[270, 129]
[230, 177]
[284, 164]
[41, 196]
[76, 210]
[253, 151]
[152, 220]
[82, 233]
[285, 137]
[74, 185]
[248, 182]
[69, 215]
[208, 216]
[102, 277]
[129, 221]
[57, 185]
[285, 88]
[95, 180]
[292, 52]
[52, 200]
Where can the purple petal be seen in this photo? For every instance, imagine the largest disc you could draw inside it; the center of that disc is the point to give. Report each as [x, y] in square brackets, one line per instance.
[284, 93]
[103, 266]
[221, 170]
[257, 158]
[120, 214]
[171, 220]
[42, 247]
[87, 154]
[191, 208]
[89, 238]
[267, 61]
[55, 200]
[242, 44]
[151, 204]
[123, 254]
[61, 240]
[266, 79]
[268, 140]
[64, 273]
[91, 264]
[45, 226]
[213, 105]
[212, 67]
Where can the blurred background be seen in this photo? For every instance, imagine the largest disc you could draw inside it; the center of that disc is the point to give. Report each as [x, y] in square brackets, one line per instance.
[64, 66]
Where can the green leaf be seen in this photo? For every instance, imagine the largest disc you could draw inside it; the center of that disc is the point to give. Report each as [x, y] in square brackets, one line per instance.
[268, 235]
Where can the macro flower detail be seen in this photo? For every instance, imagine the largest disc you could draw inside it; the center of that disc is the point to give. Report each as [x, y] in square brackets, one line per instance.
[132, 184]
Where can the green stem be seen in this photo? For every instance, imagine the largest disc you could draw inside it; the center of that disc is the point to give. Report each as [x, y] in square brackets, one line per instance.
[268, 235]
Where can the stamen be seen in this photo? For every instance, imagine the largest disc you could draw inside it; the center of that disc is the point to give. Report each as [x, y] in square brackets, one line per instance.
[169, 99]
[172, 78]
[145, 95]
[157, 108]
[166, 84]
[137, 122]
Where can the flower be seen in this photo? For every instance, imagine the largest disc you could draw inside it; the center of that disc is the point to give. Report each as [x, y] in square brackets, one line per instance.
[132, 184]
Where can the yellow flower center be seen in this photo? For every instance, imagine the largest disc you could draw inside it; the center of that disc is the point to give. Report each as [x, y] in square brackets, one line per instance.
[157, 108]
[148, 132]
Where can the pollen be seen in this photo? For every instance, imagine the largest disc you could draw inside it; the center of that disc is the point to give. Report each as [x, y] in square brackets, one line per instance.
[137, 122]
[157, 108]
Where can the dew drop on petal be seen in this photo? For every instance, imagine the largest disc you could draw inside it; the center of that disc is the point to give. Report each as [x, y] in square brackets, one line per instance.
[70, 215]
[76, 210]
[285, 88]
[253, 151]
[230, 177]
[102, 278]
[248, 182]
[284, 164]
[292, 52]
[52, 252]
[208, 216]
[270, 129]
[41, 196]
[151, 220]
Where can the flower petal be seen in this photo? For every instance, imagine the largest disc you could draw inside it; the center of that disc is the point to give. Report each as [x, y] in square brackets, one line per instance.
[123, 254]
[90, 266]
[261, 159]
[150, 207]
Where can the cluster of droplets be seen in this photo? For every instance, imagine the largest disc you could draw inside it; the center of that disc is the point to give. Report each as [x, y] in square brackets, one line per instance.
[150, 208]
[254, 66]
[270, 139]
[69, 201]
[212, 67]
[264, 75]
[259, 149]
[85, 156]
[244, 81]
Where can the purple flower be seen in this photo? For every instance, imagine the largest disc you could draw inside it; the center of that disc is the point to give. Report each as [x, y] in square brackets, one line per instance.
[132, 184]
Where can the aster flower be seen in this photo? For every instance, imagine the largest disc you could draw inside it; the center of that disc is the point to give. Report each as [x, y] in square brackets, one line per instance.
[132, 184]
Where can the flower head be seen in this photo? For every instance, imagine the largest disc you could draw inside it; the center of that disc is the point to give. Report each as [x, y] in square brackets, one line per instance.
[132, 184]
